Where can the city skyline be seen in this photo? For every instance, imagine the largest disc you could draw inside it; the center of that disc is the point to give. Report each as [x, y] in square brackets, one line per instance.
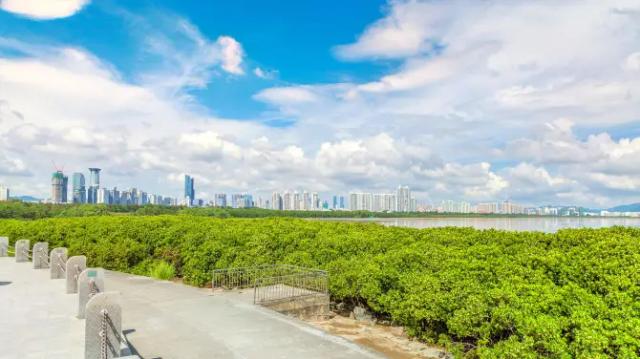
[443, 97]
[396, 202]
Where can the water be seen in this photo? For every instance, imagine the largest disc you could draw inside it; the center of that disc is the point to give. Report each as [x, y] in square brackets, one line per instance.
[542, 224]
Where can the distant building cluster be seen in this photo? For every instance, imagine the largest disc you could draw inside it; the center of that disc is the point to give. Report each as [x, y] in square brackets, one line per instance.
[94, 194]
[294, 201]
[400, 201]
[504, 207]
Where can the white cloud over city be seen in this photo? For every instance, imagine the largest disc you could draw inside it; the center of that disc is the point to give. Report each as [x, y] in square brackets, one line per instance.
[526, 101]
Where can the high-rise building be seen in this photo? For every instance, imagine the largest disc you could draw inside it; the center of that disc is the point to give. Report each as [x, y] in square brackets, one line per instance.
[4, 193]
[403, 198]
[335, 202]
[297, 200]
[220, 200]
[189, 190]
[242, 201]
[94, 184]
[276, 201]
[315, 201]
[306, 201]
[102, 196]
[79, 189]
[360, 201]
[342, 204]
[287, 201]
[59, 183]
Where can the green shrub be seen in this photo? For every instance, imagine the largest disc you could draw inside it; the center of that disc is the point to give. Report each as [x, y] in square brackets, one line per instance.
[162, 270]
[483, 294]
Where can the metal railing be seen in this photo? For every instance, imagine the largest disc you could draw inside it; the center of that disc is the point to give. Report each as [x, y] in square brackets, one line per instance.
[272, 289]
[273, 282]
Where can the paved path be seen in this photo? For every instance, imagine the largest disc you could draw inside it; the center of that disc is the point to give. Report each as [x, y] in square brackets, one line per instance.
[160, 319]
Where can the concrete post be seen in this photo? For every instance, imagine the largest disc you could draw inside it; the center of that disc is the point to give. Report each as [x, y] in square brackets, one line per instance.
[90, 283]
[75, 265]
[40, 255]
[22, 250]
[103, 326]
[4, 246]
[57, 262]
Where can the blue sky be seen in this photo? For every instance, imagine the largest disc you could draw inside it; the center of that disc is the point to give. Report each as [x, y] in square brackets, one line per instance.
[294, 38]
[479, 101]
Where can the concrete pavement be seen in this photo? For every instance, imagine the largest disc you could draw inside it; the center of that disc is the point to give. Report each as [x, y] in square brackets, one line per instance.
[160, 320]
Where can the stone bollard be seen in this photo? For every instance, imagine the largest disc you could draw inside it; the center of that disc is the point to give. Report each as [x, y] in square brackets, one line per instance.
[40, 255]
[57, 262]
[90, 283]
[22, 250]
[4, 246]
[75, 265]
[103, 327]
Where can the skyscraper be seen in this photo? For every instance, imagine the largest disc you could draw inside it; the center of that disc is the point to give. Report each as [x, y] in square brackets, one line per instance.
[59, 183]
[189, 190]
[287, 201]
[296, 201]
[403, 198]
[221, 200]
[94, 184]
[276, 201]
[306, 201]
[79, 190]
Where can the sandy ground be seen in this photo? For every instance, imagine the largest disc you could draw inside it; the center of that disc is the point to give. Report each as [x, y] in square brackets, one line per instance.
[384, 339]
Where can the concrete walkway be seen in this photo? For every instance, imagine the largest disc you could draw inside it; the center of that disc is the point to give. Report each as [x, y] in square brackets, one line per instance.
[160, 320]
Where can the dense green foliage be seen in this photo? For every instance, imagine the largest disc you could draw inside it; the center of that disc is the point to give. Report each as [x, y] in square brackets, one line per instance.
[484, 294]
[21, 210]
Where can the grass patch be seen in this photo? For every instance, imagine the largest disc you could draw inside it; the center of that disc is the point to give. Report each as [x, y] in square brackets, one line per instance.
[162, 270]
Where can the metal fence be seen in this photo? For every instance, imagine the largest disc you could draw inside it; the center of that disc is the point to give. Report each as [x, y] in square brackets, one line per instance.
[273, 282]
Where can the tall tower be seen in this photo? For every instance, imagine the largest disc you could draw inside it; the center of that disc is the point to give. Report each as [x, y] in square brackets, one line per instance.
[189, 190]
[58, 187]
[403, 199]
[94, 184]
[79, 189]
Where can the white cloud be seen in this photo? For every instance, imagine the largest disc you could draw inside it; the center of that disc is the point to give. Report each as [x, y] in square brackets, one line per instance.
[13, 166]
[232, 55]
[632, 62]
[474, 181]
[265, 74]
[181, 57]
[403, 32]
[287, 95]
[43, 9]
[468, 109]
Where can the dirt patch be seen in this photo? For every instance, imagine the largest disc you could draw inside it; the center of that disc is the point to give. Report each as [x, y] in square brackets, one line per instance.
[387, 340]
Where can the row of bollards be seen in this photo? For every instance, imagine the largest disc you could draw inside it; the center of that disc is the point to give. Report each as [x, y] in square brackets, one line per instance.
[100, 309]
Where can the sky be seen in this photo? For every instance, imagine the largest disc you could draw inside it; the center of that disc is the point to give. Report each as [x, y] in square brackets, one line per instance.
[535, 102]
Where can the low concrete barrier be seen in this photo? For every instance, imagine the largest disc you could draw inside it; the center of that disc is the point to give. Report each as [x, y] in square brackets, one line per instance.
[103, 326]
[75, 265]
[90, 283]
[40, 255]
[4, 246]
[22, 250]
[57, 262]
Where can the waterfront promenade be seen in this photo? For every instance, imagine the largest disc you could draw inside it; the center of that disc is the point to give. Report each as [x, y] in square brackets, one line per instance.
[160, 319]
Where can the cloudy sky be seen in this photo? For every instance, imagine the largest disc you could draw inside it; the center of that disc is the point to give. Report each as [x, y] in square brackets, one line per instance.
[538, 102]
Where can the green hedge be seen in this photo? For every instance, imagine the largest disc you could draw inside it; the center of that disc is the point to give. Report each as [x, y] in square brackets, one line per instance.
[483, 294]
